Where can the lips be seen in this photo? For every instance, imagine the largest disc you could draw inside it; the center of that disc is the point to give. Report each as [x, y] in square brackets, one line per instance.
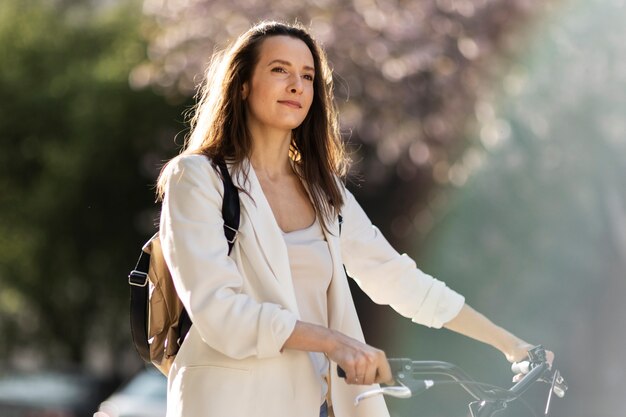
[291, 103]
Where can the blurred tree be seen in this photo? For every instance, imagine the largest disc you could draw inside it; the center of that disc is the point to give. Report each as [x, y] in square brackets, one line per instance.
[78, 151]
[411, 70]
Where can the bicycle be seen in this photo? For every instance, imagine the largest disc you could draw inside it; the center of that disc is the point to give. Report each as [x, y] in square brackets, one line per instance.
[489, 399]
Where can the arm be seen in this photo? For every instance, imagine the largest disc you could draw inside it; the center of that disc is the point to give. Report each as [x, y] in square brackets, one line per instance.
[471, 323]
[206, 278]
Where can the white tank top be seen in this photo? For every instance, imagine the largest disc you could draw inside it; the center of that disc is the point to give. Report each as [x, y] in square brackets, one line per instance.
[311, 271]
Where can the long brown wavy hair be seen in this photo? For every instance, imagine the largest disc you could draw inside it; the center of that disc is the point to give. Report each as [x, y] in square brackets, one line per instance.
[219, 129]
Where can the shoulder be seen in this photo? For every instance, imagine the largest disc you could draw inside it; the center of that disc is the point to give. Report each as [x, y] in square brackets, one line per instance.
[184, 162]
[190, 168]
[189, 164]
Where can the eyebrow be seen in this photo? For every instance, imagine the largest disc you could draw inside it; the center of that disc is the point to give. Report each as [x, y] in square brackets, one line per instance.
[281, 61]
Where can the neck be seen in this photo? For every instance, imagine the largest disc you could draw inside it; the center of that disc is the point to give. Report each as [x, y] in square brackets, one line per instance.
[270, 152]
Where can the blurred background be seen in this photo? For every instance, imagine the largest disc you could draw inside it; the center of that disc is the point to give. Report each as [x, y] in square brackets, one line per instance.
[488, 139]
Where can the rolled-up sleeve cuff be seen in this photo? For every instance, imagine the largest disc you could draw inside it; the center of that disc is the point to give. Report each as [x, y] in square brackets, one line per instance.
[443, 305]
[281, 327]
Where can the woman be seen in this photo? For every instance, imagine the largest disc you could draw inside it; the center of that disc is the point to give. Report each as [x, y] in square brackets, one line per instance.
[272, 319]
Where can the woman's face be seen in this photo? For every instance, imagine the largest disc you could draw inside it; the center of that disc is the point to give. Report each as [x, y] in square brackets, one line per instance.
[280, 91]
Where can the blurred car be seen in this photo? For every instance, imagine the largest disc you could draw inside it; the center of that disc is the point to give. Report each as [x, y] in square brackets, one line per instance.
[145, 395]
[50, 394]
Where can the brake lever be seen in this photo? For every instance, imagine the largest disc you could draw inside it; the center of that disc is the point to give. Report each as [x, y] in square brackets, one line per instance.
[397, 391]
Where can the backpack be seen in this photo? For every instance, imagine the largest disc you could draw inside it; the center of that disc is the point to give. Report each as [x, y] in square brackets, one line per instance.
[158, 319]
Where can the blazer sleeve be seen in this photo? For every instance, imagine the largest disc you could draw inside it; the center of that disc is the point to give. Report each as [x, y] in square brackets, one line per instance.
[388, 277]
[206, 278]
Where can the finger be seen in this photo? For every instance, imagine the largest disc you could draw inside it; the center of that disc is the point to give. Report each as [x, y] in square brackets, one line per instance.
[358, 372]
[518, 377]
[361, 371]
[350, 371]
[370, 374]
[384, 375]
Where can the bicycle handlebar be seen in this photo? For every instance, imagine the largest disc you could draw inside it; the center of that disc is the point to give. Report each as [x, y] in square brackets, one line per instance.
[409, 375]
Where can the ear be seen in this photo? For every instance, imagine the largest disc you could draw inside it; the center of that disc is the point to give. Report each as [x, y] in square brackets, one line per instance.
[245, 90]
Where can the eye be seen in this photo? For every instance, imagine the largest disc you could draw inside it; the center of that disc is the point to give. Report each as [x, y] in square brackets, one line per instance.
[279, 69]
[308, 77]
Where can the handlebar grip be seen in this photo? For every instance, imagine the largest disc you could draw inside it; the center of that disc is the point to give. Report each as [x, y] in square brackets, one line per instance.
[520, 367]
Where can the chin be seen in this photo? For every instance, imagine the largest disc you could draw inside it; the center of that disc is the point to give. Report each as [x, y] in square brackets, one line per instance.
[291, 126]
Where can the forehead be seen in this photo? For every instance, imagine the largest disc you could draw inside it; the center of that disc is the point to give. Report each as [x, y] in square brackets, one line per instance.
[285, 48]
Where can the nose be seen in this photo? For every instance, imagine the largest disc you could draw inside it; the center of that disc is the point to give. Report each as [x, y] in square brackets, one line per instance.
[296, 85]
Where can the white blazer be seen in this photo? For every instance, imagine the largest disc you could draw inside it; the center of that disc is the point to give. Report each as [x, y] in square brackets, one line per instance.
[243, 306]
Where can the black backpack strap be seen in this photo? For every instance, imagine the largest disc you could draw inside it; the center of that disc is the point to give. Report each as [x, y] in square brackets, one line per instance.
[138, 281]
[340, 223]
[230, 214]
[230, 207]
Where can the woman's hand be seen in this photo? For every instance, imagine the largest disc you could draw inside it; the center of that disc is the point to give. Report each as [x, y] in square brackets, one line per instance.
[363, 364]
[518, 351]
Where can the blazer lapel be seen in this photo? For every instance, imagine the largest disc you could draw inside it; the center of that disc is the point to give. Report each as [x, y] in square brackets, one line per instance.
[269, 239]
